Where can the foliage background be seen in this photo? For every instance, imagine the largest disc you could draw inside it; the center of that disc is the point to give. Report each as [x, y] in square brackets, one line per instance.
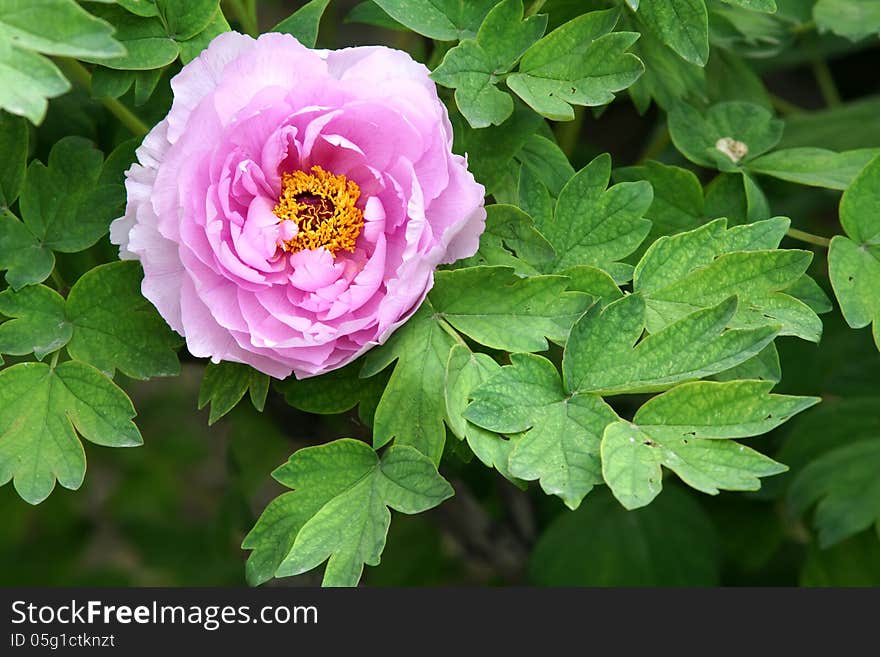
[174, 512]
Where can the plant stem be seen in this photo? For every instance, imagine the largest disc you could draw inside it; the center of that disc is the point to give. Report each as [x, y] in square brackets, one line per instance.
[809, 238]
[54, 361]
[567, 132]
[826, 83]
[659, 141]
[56, 278]
[81, 76]
[783, 106]
[246, 13]
[446, 326]
[536, 6]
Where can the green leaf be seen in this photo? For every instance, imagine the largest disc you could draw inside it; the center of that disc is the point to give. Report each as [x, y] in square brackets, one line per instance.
[853, 19]
[331, 393]
[62, 204]
[192, 48]
[225, 383]
[854, 562]
[14, 146]
[767, 6]
[473, 67]
[685, 429]
[146, 40]
[844, 486]
[444, 20]
[116, 328]
[580, 63]
[369, 13]
[339, 509]
[678, 197]
[413, 405]
[668, 78]
[56, 27]
[602, 356]
[854, 261]
[511, 239]
[464, 372]
[726, 136]
[683, 25]
[546, 160]
[27, 81]
[304, 22]
[184, 20]
[140, 7]
[671, 544]
[38, 322]
[41, 411]
[501, 310]
[596, 226]
[560, 446]
[701, 268]
[814, 166]
[25, 260]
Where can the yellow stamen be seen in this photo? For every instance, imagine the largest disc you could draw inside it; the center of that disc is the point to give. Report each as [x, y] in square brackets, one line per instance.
[323, 206]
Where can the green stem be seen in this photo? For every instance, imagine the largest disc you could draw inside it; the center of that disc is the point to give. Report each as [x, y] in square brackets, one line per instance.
[56, 278]
[246, 13]
[568, 132]
[809, 238]
[659, 141]
[783, 106]
[54, 361]
[536, 6]
[446, 326]
[81, 76]
[826, 83]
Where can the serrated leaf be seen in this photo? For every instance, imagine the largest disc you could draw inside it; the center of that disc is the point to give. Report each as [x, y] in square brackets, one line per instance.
[683, 25]
[464, 372]
[413, 406]
[339, 509]
[671, 544]
[115, 327]
[38, 323]
[817, 167]
[854, 261]
[501, 310]
[472, 67]
[592, 225]
[604, 355]
[685, 430]
[844, 486]
[580, 63]
[445, 20]
[42, 409]
[224, 384]
[702, 267]
[304, 22]
[853, 19]
[561, 430]
[727, 136]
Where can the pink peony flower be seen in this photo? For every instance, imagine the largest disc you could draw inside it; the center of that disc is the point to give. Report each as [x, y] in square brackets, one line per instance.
[291, 209]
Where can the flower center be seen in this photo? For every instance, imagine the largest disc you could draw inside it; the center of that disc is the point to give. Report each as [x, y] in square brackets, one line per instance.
[323, 207]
